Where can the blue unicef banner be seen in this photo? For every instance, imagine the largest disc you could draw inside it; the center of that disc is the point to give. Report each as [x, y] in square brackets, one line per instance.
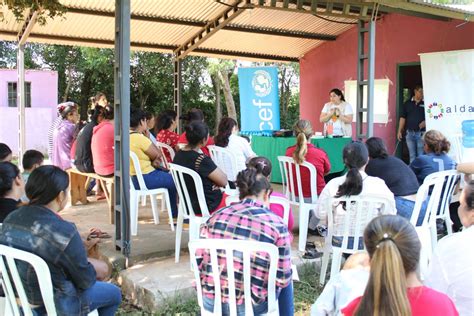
[259, 101]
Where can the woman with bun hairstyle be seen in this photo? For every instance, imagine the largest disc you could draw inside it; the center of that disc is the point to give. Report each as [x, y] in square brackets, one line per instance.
[254, 221]
[213, 178]
[435, 158]
[37, 228]
[338, 113]
[12, 188]
[63, 136]
[195, 115]
[227, 137]
[264, 167]
[305, 151]
[394, 288]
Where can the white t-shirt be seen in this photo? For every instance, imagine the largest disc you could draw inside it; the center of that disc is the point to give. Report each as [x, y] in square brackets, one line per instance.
[339, 127]
[241, 150]
[451, 269]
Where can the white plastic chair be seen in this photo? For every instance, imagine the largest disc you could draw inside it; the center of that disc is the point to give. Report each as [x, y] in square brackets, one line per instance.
[165, 147]
[273, 200]
[359, 211]
[290, 172]
[225, 160]
[143, 191]
[12, 282]
[185, 207]
[226, 248]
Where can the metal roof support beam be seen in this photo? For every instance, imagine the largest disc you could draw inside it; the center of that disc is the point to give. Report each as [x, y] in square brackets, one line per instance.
[20, 102]
[27, 27]
[121, 192]
[177, 89]
[211, 28]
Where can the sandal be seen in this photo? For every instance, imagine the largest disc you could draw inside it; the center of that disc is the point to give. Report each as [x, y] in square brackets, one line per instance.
[312, 253]
[97, 233]
[310, 245]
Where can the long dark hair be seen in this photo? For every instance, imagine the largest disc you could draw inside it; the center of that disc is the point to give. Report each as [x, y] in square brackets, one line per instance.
[165, 120]
[251, 182]
[355, 156]
[45, 183]
[394, 250]
[339, 93]
[8, 173]
[376, 148]
[224, 131]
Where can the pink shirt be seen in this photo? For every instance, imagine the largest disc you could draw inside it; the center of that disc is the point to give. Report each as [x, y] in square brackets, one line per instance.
[278, 210]
[102, 147]
[62, 142]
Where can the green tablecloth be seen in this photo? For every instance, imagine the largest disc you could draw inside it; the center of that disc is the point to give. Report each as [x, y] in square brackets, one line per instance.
[272, 147]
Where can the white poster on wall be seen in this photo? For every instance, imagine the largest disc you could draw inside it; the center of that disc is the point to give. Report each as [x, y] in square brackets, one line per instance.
[448, 86]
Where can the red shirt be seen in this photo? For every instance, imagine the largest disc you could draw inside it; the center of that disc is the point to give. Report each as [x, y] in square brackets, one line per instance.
[423, 301]
[102, 146]
[169, 138]
[210, 141]
[318, 158]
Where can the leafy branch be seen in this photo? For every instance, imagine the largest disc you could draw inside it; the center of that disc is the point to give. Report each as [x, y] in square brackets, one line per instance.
[45, 8]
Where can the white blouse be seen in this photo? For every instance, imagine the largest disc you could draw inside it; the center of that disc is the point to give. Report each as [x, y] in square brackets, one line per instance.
[241, 150]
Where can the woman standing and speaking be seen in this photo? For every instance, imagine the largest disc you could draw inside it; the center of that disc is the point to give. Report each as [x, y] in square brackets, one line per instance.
[338, 114]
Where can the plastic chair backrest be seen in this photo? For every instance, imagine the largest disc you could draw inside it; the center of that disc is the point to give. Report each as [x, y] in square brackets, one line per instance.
[179, 174]
[224, 159]
[139, 174]
[12, 280]
[273, 200]
[226, 250]
[444, 188]
[363, 208]
[162, 147]
[290, 173]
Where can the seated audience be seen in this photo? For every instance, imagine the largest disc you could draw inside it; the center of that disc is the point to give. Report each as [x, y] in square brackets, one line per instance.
[213, 179]
[165, 131]
[12, 188]
[31, 160]
[5, 153]
[102, 144]
[398, 177]
[451, 267]
[346, 286]
[191, 116]
[264, 167]
[150, 159]
[435, 158]
[37, 228]
[258, 223]
[83, 155]
[227, 137]
[63, 137]
[355, 182]
[394, 287]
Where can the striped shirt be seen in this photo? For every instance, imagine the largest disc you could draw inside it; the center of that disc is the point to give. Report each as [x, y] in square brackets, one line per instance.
[53, 126]
[246, 220]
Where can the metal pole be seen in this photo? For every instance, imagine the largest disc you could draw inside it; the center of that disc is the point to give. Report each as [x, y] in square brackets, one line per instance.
[371, 78]
[177, 89]
[122, 126]
[20, 87]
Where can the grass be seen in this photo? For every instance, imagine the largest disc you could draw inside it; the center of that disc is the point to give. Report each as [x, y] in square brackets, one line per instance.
[305, 293]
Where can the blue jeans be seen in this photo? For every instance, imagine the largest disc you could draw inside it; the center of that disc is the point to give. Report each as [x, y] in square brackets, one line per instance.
[285, 304]
[405, 208]
[415, 144]
[160, 179]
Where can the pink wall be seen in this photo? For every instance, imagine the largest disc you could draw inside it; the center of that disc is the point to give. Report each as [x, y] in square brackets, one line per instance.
[399, 39]
[44, 98]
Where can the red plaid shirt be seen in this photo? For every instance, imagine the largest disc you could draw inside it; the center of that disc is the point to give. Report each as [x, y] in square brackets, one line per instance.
[246, 220]
[169, 138]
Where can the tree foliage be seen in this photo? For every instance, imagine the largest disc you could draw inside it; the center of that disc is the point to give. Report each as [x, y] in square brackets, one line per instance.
[45, 8]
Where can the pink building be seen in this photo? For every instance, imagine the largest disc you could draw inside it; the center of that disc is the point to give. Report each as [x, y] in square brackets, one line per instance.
[399, 40]
[41, 100]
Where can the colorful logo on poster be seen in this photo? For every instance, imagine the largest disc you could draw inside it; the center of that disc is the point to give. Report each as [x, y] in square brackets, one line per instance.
[435, 110]
[262, 83]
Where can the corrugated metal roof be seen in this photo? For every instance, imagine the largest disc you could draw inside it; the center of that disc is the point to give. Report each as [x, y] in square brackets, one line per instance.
[163, 25]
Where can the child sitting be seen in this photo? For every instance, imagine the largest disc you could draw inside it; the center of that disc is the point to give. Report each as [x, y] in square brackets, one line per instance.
[32, 159]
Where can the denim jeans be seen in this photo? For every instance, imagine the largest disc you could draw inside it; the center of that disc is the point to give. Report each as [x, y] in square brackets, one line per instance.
[414, 144]
[161, 179]
[285, 304]
[405, 208]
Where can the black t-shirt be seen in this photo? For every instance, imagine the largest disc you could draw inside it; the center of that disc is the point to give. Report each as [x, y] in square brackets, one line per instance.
[203, 165]
[6, 207]
[83, 157]
[414, 114]
[398, 177]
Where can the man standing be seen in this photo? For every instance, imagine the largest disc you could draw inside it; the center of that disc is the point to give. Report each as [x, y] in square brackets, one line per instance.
[413, 120]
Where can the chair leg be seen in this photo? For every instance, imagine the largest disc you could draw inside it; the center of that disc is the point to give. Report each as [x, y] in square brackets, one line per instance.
[449, 224]
[154, 209]
[336, 262]
[166, 198]
[324, 264]
[179, 231]
[304, 218]
[144, 200]
[133, 214]
[434, 236]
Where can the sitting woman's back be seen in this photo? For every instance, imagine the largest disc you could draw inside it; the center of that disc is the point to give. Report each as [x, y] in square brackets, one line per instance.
[12, 188]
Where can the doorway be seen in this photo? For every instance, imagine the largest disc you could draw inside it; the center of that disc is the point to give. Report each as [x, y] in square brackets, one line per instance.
[408, 76]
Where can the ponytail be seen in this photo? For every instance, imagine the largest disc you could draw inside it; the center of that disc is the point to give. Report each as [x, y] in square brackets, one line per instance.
[436, 142]
[352, 185]
[251, 183]
[301, 148]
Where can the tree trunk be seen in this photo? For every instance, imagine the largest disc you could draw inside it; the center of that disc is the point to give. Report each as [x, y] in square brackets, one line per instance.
[216, 83]
[86, 92]
[229, 100]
